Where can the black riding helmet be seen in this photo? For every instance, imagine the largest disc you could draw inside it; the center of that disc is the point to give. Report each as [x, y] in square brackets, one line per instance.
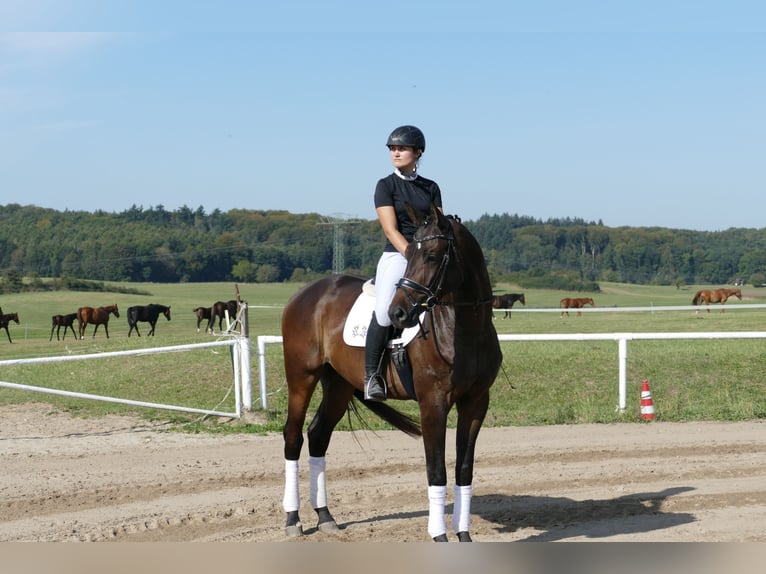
[409, 136]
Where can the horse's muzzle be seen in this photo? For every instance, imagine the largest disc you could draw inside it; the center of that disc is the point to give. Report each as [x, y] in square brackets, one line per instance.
[404, 316]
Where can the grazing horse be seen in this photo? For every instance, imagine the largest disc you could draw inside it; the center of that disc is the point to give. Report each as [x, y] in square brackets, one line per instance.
[218, 311]
[709, 296]
[453, 362]
[506, 301]
[148, 314]
[96, 316]
[576, 303]
[5, 319]
[202, 314]
[66, 321]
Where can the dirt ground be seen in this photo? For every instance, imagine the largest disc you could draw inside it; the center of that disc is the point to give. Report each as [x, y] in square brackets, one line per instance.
[120, 479]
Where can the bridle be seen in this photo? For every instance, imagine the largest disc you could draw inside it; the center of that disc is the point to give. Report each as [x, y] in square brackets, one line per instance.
[434, 289]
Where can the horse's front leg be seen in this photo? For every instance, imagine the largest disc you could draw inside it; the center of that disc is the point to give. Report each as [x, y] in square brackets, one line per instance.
[471, 411]
[434, 425]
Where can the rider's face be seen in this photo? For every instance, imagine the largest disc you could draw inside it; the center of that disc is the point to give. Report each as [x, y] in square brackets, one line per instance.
[404, 157]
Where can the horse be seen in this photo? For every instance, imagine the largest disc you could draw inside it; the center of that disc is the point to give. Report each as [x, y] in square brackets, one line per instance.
[709, 296]
[576, 303]
[66, 321]
[506, 301]
[5, 319]
[148, 314]
[218, 311]
[96, 316]
[453, 362]
[202, 314]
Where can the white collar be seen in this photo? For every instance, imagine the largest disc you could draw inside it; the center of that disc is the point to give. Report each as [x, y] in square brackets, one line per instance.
[411, 177]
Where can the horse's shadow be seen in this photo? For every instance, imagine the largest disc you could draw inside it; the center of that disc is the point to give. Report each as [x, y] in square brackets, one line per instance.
[561, 518]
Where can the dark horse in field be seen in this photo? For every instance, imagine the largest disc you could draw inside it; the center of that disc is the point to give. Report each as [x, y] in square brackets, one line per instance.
[575, 303]
[218, 311]
[5, 319]
[709, 296]
[148, 314]
[202, 314]
[454, 361]
[66, 321]
[506, 301]
[96, 316]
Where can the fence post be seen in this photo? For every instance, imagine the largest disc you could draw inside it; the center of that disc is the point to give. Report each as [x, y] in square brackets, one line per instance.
[244, 341]
[622, 346]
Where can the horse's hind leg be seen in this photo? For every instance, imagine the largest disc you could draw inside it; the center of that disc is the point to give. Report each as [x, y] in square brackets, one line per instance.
[300, 388]
[336, 395]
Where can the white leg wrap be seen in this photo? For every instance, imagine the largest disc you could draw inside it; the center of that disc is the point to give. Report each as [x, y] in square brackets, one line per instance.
[437, 496]
[292, 499]
[461, 517]
[317, 481]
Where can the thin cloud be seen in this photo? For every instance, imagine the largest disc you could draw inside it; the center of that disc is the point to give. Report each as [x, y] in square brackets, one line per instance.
[46, 46]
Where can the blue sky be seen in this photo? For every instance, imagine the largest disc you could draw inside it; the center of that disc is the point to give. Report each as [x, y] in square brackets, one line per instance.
[647, 113]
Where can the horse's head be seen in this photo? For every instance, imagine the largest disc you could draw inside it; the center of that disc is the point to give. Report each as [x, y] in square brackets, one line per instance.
[166, 312]
[426, 278]
[435, 268]
[113, 309]
[522, 300]
[14, 317]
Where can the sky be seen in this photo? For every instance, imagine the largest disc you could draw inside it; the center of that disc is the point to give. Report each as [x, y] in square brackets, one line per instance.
[637, 113]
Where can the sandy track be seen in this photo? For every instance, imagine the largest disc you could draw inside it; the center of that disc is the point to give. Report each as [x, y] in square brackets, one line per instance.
[116, 479]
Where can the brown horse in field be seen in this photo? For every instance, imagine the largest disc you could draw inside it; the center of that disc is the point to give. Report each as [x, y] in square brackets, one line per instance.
[5, 319]
[452, 362]
[96, 316]
[506, 301]
[219, 310]
[66, 321]
[575, 303]
[202, 314]
[709, 296]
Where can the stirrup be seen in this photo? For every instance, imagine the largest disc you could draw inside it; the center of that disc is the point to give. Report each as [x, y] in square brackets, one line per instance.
[375, 388]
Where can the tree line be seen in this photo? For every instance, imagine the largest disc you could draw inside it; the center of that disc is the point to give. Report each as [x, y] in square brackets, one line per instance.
[186, 245]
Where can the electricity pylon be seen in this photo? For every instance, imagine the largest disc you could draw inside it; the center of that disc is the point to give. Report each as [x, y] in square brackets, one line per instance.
[338, 220]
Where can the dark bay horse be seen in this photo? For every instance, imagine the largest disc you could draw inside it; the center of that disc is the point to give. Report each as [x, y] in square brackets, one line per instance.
[66, 321]
[709, 296]
[96, 316]
[202, 314]
[506, 301]
[5, 319]
[575, 303]
[147, 314]
[454, 361]
[218, 311]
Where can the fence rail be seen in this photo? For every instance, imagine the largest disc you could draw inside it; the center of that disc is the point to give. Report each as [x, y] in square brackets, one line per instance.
[622, 349]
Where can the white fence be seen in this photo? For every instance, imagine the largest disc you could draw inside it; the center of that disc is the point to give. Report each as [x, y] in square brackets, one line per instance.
[240, 346]
[622, 349]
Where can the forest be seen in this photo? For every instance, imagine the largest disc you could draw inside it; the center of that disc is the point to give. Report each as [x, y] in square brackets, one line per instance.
[189, 245]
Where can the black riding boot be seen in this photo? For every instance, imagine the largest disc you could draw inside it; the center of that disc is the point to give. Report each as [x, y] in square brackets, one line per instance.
[375, 347]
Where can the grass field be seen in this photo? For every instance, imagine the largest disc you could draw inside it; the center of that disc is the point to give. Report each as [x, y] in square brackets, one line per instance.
[539, 383]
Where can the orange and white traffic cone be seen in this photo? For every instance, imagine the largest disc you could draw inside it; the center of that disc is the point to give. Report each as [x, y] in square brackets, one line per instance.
[647, 405]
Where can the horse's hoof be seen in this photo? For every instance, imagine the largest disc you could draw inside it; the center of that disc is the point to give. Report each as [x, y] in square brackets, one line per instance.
[329, 527]
[441, 538]
[294, 530]
[464, 537]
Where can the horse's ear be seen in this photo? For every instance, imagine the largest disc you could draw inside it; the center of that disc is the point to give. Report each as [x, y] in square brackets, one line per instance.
[411, 212]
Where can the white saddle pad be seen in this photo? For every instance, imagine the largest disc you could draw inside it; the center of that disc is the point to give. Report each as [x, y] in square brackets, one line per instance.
[355, 329]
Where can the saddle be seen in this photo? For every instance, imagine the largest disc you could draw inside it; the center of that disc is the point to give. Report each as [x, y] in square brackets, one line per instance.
[355, 334]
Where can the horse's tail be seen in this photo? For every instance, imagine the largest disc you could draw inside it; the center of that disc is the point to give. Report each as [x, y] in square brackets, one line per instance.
[389, 414]
[697, 297]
